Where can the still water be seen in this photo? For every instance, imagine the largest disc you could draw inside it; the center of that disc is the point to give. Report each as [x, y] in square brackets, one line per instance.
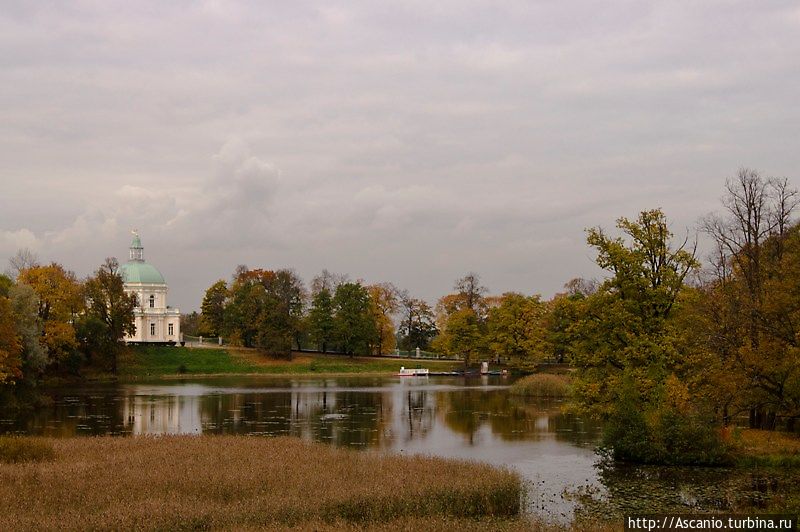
[475, 419]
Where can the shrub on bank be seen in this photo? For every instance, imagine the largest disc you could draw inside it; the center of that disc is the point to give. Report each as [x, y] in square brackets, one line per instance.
[542, 385]
[662, 433]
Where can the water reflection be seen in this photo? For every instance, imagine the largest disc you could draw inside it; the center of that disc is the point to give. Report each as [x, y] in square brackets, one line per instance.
[359, 412]
[475, 419]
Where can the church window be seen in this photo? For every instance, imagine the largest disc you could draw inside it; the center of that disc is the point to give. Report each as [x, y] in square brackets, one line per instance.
[152, 301]
[171, 330]
[152, 329]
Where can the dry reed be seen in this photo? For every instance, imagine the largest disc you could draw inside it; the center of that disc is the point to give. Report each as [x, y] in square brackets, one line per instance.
[243, 482]
[19, 449]
[542, 385]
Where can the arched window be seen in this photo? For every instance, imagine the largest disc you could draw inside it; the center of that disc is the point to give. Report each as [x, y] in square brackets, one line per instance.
[152, 301]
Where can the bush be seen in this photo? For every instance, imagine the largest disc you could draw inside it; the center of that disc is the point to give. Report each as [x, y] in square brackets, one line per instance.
[22, 449]
[542, 385]
[661, 433]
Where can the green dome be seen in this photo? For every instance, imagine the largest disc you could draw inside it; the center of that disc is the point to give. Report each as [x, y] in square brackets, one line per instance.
[141, 272]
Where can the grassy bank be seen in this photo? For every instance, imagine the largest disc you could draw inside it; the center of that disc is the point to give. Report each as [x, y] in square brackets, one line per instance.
[148, 362]
[542, 385]
[243, 482]
[765, 448]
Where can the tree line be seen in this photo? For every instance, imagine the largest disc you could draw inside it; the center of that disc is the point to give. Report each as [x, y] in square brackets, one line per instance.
[274, 311]
[52, 323]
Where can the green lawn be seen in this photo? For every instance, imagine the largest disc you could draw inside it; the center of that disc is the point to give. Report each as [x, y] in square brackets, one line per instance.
[142, 362]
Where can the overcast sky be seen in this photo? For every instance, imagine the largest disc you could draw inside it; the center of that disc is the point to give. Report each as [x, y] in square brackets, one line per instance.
[408, 142]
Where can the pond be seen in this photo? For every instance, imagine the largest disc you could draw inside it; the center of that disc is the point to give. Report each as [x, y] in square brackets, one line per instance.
[475, 419]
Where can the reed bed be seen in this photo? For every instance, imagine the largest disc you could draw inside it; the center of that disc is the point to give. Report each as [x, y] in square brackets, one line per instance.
[240, 482]
[18, 449]
[542, 385]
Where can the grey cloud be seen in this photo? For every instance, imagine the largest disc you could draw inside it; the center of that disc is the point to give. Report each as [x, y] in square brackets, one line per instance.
[408, 142]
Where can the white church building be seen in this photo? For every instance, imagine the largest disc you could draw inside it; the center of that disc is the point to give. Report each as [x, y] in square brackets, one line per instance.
[156, 322]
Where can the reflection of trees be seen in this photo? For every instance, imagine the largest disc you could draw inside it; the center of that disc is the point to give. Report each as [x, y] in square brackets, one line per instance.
[418, 411]
[513, 418]
[70, 413]
[341, 417]
[321, 411]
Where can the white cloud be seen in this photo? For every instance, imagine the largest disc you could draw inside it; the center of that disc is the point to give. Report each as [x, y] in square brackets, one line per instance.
[11, 241]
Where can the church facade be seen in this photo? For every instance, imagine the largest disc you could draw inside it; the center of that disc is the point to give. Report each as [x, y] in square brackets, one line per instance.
[156, 322]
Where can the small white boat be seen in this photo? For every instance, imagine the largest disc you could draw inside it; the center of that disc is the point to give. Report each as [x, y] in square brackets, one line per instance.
[412, 372]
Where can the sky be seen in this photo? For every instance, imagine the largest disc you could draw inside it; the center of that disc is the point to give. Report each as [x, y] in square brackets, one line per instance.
[409, 142]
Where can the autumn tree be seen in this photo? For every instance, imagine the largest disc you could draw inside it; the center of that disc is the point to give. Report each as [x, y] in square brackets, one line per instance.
[631, 350]
[464, 336]
[10, 346]
[461, 319]
[60, 297]
[110, 311]
[264, 309]
[754, 333]
[515, 328]
[280, 319]
[213, 308]
[384, 303]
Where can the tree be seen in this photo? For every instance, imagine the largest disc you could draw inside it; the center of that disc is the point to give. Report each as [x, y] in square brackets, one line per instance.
[5, 285]
[327, 281]
[471, 294]
[354, 326]
[10, 346]
[109, 308]
[243, 307]
[213, 308]
[461, 319]
[320, 319]
[280, 317]
[626, 329]
[60, 297]
[191, 323]
[515, 328]
[417, 325]
[25, 307]
[263, 309]
[749, 269]
[383, 304]
[633, 349]
[464, 336]
[23, 260]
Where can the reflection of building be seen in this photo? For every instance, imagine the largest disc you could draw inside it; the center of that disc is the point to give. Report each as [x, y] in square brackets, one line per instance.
[162, 415]
[155, 320]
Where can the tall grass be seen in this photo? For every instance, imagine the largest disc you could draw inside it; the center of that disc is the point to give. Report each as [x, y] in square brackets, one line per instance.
[542, 385]
[180, 483]
[766, 448]
[23, 449]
